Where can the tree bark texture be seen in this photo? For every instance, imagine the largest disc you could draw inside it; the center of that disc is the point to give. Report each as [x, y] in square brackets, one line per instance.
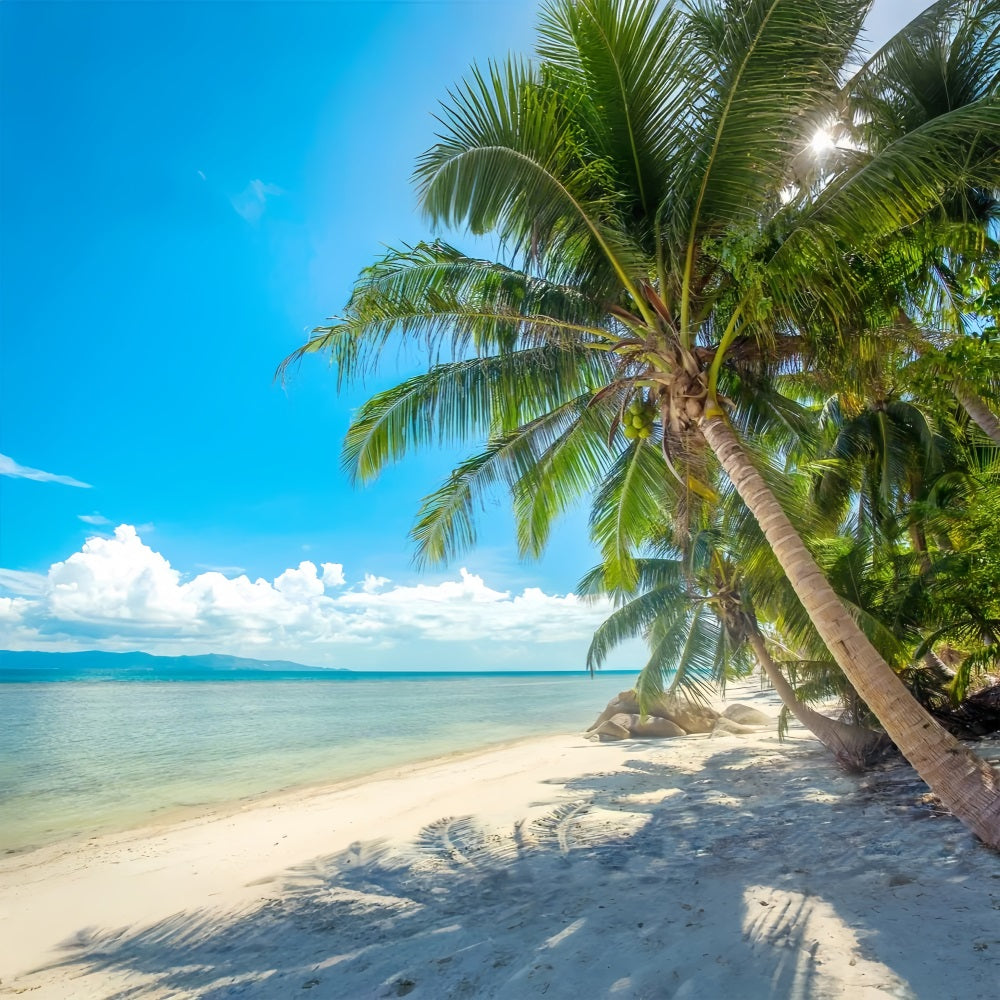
[982, 415]
[966, 785]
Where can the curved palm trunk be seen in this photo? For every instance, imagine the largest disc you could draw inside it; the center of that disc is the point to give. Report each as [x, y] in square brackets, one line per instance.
[853, 742]
[966, 785]
[982, 415]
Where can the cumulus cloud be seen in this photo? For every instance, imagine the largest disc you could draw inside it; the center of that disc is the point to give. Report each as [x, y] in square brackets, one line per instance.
[373, 584]
[118, 591]
[469, 610]
[115, 578]
[225, 570]
[251, 202]
[12, 610]
[8, 467]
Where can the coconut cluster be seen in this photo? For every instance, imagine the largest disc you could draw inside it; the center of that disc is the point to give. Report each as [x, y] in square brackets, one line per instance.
[637, 421]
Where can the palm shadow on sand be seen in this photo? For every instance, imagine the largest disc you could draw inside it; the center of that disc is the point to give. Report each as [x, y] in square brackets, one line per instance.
[660, 884]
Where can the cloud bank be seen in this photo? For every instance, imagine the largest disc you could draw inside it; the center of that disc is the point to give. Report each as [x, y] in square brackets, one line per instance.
[118, 593]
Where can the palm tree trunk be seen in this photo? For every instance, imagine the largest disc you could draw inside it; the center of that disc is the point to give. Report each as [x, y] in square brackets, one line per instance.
[850, 742]
[976, 407]
[966, 785]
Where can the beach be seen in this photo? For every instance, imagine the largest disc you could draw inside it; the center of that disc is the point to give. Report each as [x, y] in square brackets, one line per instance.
[738, 865]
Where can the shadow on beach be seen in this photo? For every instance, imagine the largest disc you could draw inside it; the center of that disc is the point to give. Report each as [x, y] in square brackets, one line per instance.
[763, 874]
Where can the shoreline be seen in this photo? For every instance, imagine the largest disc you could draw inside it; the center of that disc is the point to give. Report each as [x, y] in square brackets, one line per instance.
[33, 885]
[198, 750]
[171, 817]
[555, 866]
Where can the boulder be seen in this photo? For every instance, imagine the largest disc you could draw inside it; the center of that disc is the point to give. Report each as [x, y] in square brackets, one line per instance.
[746, 716]
[617, 727]
[624, 701]
[726, 727]
[655, 726]
[690, 716]
[629, 701]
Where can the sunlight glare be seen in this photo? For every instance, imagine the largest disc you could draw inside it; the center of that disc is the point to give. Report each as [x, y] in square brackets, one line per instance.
[822, 142]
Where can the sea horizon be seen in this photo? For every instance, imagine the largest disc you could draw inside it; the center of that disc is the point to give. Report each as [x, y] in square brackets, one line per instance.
[45, 666]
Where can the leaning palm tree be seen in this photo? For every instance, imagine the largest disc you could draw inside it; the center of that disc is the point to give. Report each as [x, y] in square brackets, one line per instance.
[644, 180]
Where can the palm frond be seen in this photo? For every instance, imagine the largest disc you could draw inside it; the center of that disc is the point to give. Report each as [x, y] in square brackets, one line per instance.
[508, 161]
[450, 304]
[634, 64]
[684, 657]
[469, 399]
[667, 604]
[630, 508]
[752, 122]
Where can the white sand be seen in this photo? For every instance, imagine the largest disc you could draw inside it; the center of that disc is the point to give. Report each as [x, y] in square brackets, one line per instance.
[738, 867]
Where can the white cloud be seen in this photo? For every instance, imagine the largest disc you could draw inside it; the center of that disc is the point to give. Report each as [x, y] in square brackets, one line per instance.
[251, 202]
[96, 519]
[117, 592]
[468, 610]
[12, 610]
[22, 582]
[224, 570]
[8, 467]
[300, 584]
[115, 578]
[373, 584]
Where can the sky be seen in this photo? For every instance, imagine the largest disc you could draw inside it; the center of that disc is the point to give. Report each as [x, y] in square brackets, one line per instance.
[186, 190]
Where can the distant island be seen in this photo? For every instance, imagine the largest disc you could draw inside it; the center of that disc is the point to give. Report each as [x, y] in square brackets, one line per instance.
[26, 665]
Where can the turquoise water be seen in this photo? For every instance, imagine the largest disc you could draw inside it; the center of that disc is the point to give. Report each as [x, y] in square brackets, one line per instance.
[82, 757]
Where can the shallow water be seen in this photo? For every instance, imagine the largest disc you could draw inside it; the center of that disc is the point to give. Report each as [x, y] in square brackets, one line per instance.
[83, 757]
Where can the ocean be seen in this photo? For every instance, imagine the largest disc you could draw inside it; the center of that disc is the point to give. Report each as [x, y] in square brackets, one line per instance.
[79, 757]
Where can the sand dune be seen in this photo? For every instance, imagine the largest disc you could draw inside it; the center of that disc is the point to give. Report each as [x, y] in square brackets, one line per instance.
[735, 866]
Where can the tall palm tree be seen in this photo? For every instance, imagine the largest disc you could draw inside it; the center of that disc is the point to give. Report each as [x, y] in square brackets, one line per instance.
[645, 182]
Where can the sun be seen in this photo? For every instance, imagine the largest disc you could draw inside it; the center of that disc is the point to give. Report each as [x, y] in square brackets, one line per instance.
[822, 142]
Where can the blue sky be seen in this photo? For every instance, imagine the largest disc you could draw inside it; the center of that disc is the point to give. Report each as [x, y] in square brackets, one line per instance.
[188, 188]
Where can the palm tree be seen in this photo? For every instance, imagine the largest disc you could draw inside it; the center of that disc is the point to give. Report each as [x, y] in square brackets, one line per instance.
[645, 182]
[698, 616]
[951, 260]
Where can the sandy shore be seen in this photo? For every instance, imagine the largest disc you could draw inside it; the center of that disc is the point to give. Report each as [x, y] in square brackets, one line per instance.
[735, 866]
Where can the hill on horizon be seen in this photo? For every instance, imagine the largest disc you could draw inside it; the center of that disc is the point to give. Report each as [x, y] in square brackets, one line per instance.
[29, 664]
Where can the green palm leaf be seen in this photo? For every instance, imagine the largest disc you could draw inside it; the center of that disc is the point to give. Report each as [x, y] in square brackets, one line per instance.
[466, 399]
[568, 469]
[626, 60]
[508, 162]
[630, 508]
[451, 304]
[753, 121]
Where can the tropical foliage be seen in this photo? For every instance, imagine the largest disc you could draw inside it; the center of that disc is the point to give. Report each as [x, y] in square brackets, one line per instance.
[675, 243]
